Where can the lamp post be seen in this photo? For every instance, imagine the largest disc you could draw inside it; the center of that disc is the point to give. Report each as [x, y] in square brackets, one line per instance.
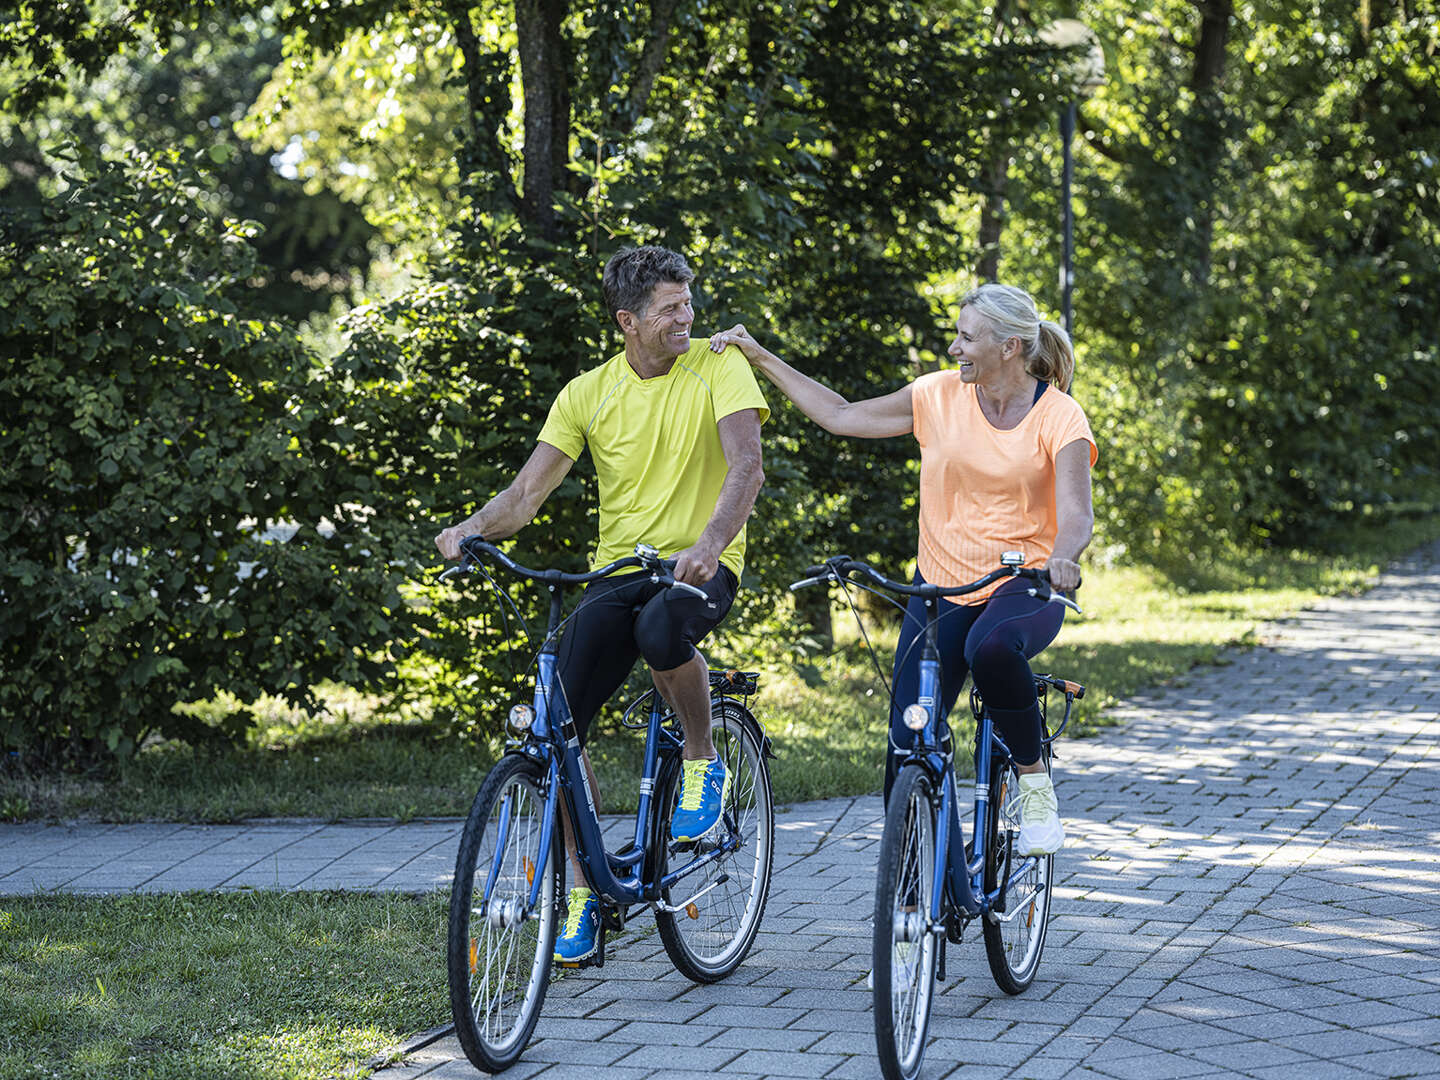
[1085, 73]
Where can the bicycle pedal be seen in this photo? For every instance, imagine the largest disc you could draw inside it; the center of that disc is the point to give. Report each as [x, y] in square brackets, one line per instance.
[612, 917]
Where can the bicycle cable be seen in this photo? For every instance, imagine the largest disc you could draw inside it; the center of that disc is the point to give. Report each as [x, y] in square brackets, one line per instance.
[845, 584]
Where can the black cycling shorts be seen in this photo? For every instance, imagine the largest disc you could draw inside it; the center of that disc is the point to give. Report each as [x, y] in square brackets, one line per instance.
[622, 618]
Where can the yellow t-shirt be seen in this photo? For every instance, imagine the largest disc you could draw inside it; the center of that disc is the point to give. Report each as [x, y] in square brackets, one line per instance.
[656, 448]
[984, 491]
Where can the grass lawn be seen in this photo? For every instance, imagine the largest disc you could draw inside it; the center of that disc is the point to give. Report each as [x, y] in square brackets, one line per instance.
[197, 986]
[1141, 627]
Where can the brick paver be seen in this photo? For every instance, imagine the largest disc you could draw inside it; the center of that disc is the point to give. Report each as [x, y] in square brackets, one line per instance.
[1249, 890]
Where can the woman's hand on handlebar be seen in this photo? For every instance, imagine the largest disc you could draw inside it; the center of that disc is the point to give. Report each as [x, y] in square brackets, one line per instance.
[1064, 574]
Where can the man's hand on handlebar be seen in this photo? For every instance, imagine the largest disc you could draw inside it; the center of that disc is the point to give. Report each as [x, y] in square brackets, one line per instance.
[696, 565]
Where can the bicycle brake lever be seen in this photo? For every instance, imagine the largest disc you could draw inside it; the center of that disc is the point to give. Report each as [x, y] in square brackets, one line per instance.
[683, 586]
[1057, 598]
[795, 586]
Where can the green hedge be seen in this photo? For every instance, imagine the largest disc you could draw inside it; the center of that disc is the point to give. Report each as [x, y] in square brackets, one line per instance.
[177, 514]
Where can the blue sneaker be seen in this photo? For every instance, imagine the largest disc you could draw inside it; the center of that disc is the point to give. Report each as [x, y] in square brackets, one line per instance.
[582, 923]
[703, 788]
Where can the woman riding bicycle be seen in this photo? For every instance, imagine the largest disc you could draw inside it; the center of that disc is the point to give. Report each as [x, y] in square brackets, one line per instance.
[1004, 466]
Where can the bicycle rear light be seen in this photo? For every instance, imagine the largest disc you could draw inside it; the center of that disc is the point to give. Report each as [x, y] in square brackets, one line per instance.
[521, 717]
[915, 717]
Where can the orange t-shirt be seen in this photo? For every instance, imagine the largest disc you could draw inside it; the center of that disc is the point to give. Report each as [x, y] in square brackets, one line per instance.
[984, 491]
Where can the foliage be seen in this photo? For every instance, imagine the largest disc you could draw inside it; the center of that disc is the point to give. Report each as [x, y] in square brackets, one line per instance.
[826, 718]
[1257, 270]
[1257, 248]
[187, 91]
[181, 508]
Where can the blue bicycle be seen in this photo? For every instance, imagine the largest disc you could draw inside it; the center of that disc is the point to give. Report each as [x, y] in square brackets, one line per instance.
[708, 894]
[930, 882]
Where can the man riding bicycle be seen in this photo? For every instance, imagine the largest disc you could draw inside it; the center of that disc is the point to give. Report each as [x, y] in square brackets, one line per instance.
[674, 433]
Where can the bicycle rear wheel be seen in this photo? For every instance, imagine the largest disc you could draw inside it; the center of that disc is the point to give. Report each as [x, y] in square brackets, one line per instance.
[1015, 938]
[707, 940]
[903, 953]
[498, 953]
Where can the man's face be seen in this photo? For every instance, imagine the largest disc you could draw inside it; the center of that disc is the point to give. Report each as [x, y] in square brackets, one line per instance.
[664, 329]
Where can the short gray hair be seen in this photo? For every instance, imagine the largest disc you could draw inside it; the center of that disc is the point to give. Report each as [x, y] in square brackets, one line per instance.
[632, 274]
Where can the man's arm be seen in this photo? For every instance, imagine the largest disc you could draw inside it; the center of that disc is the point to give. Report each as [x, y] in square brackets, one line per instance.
[740, 439]
[515, 507]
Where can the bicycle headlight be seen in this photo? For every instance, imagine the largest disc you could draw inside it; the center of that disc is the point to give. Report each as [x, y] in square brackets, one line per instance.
[521, 717]
[915, 717]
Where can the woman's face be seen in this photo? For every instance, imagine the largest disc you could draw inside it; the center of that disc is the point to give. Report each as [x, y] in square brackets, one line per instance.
[980, 356]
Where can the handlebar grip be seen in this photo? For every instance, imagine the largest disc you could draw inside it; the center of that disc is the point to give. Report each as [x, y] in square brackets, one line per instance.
[819, 570]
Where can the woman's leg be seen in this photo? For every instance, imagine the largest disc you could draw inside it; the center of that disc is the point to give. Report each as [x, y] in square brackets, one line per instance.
[1013, 628]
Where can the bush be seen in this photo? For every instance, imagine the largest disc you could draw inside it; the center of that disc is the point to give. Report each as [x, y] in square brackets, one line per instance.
[176, 512]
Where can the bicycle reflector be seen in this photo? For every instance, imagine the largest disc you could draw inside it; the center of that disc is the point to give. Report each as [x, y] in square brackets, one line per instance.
[915, 717]
[521, 717]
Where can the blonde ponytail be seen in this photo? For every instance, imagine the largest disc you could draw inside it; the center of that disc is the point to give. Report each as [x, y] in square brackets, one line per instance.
[1054, 357]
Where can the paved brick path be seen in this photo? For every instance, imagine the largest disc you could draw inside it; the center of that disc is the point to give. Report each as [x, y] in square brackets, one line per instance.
[1250, 889]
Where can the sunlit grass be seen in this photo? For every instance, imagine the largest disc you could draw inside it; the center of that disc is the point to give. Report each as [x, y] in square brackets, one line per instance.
[215, 986]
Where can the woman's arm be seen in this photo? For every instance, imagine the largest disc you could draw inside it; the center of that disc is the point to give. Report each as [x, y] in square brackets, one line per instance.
[1076, 516]
[873, 418]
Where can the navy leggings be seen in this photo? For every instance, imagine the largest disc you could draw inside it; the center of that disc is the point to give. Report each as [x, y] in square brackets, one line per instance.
[993, 640]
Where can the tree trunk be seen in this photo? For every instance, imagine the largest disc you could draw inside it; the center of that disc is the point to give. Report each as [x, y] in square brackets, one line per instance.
[1207, 132]
[544, 77]
[992, 216]
[662, 16]
[485, 103]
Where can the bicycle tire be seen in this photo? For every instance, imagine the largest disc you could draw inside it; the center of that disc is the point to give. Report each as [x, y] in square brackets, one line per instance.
[708, 940]
[903, 953]
[499, 968]
[1014, 946]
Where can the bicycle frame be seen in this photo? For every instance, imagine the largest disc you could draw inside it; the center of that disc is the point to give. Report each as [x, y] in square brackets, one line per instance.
[934, 751]
[554, 742]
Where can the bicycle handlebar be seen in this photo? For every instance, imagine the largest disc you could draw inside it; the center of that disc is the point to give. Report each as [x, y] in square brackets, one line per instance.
[661, 570]
[835, 567]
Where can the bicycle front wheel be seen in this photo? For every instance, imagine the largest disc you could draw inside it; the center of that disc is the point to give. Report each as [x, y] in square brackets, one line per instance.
[708, 938]
[903, 952]
[1014, 938]
[499, 950]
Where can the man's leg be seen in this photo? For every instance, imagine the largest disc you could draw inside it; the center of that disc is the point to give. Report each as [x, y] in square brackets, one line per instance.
[687, 689]
[666, 631]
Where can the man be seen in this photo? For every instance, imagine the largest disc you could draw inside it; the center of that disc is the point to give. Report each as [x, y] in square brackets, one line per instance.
[674, 433]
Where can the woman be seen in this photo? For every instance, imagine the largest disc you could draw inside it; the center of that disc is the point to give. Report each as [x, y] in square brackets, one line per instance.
[1005, 458]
